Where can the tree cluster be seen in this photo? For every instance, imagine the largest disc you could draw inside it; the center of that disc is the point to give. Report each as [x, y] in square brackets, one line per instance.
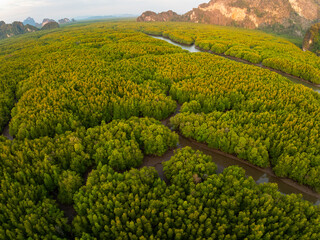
[89, 96]
[251, 45]
[138, 205]
[35, 171]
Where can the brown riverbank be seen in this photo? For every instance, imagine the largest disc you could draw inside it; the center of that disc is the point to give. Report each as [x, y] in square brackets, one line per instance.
[224, 160]
[302, 188]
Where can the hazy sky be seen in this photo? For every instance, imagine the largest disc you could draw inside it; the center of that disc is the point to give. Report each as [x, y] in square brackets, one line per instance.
[18, 10]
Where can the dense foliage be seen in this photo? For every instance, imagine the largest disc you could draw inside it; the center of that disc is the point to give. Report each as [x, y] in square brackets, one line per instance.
[254, 114]
[138, 205]
[89, 96]
[75, 82]
[254, 46]
[35, 170]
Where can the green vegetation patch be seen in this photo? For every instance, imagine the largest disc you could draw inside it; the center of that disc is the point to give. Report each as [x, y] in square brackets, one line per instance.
[34, 171]
[138, 205]
[254, 46]
[91, 96]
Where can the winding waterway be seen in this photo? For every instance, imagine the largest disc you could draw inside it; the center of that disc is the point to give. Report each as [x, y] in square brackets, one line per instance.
[193, 48]
[223, 160]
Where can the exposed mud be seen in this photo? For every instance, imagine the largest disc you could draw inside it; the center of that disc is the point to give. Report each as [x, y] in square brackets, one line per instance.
[224, 160]
[6, 133]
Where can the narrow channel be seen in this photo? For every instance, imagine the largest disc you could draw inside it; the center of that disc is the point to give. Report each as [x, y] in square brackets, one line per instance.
[223, 161]
[193, 48]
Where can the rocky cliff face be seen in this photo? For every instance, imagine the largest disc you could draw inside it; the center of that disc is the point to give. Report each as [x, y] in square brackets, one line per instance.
[32, 22]
[150, 16]
[16, 28]
[311, 40]
[64, 21]
[46, 20]
[287, 16]
[28, 25]
[50, 25]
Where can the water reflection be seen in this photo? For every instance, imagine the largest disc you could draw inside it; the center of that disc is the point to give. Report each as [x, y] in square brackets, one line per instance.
[263, 179]
[222, 161]
[193, 48]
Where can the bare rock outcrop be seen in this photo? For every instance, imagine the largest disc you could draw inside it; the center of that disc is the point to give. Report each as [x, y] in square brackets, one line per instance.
[150, 16]
[285, 16]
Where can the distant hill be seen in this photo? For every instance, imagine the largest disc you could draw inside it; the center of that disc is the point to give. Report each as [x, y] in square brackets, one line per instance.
[50, 25]
[150, 16]
[311, 40]
[292, 17]
[30, 21]
[65, 20]
[16, 28]
[46, 20]
[28, 25]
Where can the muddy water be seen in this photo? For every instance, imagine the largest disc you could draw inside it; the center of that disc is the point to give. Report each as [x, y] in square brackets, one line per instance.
[193, 48]
[223, 160]
[260, 175]
[6, 133]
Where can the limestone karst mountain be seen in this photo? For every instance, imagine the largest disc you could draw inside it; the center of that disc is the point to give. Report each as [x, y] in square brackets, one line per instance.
[283, 16]
[30, 21]
[50, 25]
[16, 28]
